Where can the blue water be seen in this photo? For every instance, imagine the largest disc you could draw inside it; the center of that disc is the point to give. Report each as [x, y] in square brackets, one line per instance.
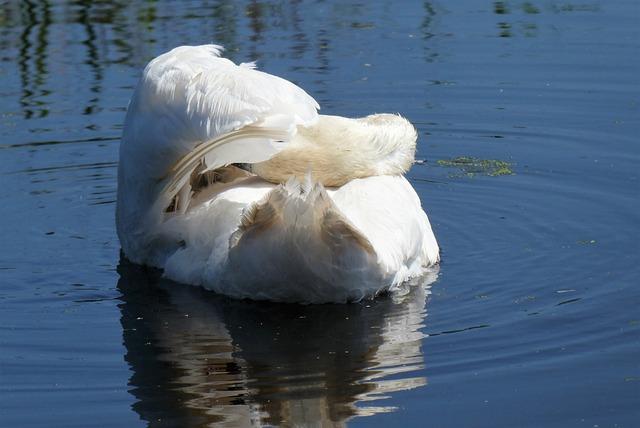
[529, 122]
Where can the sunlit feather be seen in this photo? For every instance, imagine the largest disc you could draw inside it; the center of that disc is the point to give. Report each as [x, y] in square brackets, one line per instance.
[324, 214]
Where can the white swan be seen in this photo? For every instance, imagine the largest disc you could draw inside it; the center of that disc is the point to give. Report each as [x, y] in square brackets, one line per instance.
[271, 229]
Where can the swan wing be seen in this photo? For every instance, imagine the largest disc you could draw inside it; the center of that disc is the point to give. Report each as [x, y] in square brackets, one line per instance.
[190, 98]
[387, 210]
[192, 108]
[215, 96]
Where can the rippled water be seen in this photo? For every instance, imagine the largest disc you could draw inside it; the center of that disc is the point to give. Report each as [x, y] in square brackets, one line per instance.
[529, 120]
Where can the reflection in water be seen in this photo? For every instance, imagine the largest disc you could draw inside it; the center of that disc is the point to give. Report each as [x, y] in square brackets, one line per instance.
[200, 359]
[500, 8]
[224, 15]
[100, 37]
[93, 59]
[526, 27]
[33, 75]
[505, 29]
[427, 31]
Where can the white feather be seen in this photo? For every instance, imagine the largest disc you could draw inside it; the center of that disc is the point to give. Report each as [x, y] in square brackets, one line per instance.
[290, 260]
[187, 98]
[194, 113]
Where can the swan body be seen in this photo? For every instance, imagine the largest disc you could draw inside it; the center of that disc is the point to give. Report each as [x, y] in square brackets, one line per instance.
[319, 212]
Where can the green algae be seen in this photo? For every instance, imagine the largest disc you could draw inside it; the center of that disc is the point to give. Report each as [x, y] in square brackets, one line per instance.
[471, 166]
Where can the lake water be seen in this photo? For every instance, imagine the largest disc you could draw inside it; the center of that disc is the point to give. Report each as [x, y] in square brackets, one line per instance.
[529, 121]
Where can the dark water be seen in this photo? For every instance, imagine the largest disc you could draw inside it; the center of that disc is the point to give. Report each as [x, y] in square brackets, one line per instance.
[529, 123]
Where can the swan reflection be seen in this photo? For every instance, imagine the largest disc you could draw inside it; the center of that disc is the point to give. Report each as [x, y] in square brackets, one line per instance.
[199, 359]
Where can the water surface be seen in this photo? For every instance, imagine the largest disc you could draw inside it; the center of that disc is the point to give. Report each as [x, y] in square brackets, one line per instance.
[528, 116]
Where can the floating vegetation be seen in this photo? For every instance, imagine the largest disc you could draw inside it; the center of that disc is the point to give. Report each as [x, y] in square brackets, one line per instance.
[471, 166]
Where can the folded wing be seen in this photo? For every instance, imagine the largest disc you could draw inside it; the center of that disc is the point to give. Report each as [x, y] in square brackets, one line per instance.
[192, 107]
[189, 98]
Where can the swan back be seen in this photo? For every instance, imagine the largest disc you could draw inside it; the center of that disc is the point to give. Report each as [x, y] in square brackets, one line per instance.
[301, 242]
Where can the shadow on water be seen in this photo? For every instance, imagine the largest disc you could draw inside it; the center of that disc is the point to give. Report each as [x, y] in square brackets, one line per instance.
[199, 359]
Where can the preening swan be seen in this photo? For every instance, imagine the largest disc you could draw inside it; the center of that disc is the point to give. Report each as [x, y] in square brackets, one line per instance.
[228, 178]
